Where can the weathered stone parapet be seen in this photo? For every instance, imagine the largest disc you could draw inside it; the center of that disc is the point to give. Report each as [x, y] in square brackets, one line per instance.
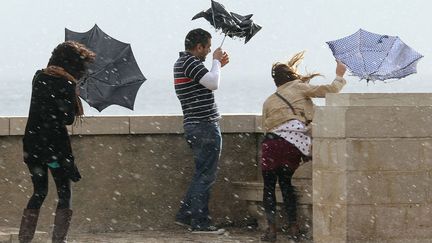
[135, 170]
[372, 168]
[150, 124]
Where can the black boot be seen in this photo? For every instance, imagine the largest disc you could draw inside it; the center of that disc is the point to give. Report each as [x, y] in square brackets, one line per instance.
[61, 225]
[270, 234]
[28, 225]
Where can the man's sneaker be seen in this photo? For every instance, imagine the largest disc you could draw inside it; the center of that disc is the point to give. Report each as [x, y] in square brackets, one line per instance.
[208, 230]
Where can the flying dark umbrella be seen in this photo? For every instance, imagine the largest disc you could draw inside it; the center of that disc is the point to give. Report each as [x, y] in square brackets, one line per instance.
[373, 56]
[114, 77]
[231, 24]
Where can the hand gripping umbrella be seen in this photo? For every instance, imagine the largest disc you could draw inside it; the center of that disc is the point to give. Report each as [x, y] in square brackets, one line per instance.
[114, 77]
[373, 56]
[231, 24]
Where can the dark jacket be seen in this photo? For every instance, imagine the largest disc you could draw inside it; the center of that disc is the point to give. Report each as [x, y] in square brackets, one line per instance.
[52, 107]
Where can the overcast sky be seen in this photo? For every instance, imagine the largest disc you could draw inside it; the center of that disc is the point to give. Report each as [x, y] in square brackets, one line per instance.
[156, 29]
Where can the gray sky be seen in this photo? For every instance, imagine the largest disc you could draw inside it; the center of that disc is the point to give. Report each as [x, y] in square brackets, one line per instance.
[156, 30]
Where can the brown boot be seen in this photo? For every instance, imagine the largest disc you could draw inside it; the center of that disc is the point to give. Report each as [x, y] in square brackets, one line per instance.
[294, 230]
[61, 225]
[270, 233]
[28, 225]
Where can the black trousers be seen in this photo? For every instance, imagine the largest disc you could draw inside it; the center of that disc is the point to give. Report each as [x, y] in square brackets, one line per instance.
[39, 176]
[284, 176]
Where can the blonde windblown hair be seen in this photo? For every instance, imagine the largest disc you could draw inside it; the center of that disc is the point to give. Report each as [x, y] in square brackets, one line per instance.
[286, 72]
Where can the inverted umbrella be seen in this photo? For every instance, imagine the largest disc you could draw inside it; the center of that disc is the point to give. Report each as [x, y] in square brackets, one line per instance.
[231, 24]
[114, 77]
[373, 56]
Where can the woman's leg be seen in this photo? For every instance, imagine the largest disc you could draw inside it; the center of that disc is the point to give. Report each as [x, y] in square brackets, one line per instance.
[288, 193]
[63, 185]
[269, 202]
[63, 212]
[39, 176]
[285, 175]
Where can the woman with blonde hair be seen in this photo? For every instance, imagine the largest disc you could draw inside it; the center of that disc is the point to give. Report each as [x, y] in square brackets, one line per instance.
[286, 119]
[54, 104]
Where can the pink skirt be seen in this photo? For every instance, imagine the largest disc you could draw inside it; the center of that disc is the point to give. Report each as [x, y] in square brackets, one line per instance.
[276, 153]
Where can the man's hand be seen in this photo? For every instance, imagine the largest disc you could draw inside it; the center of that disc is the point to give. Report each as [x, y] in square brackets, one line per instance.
[340, 69]
[218, 54]
[225, 59]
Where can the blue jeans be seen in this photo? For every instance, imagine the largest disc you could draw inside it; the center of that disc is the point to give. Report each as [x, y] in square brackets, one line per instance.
[206, 142]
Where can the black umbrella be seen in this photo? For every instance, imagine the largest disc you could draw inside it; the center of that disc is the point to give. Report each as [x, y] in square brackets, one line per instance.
[114, 77]
[231, 24]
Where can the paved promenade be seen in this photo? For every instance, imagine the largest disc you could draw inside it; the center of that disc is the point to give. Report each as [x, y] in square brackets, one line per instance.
[234, 235]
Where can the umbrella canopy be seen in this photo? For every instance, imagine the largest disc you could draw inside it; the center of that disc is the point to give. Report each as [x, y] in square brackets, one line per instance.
[373, 56]
[231, 24]
[114, 77]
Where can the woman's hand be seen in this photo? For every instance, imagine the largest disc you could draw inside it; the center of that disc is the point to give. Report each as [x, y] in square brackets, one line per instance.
[340, 68]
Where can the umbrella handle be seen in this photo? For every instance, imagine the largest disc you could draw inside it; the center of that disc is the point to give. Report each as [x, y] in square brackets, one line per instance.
[223, 40]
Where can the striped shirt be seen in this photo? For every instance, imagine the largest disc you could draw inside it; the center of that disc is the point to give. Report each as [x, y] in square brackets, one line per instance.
[198, 103]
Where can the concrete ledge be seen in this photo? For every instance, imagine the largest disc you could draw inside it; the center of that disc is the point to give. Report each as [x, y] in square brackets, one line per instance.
[372, 122]
[154, 124]
[17, 125]
[379, 99]
[102, 125]
[4, 126]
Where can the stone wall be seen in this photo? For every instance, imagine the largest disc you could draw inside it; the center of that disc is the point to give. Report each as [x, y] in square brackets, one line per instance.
[135, 172]
[372, 168]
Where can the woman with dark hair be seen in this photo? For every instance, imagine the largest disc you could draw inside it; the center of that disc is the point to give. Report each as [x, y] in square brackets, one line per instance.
[286, 117]
[54, 104]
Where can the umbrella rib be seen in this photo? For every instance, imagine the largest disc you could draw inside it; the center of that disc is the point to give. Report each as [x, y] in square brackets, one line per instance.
[361, 53]
[388, 53]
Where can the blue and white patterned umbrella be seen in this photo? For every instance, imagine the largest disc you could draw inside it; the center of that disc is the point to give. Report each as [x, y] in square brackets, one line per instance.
[373, 56]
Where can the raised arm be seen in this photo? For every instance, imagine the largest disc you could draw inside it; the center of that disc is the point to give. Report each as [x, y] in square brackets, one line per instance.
[211, 79]
[319, 91]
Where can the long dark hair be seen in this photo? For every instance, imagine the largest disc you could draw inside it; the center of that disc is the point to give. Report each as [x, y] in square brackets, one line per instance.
[73, 57]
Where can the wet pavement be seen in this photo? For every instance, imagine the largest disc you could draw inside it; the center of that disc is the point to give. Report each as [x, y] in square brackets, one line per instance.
[233, 235]
[178, 236]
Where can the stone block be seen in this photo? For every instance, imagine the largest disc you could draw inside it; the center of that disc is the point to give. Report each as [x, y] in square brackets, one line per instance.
[4, 126]
[156, 124]
[361, 220]
[17, 125]
[329, 223]
[408, 187]
[329, 187]
[304, 171]
[329, 154]
[367, 188]
[386, 154]
[238, 123]
[419, 220]
[426, 152]
[102, 125]
[371, 187]
[383, 122]
[391, 222]
[329, 122]
[258, 124]
[379, 99]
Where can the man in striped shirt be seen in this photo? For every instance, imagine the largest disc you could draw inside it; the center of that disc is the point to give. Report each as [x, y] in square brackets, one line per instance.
[194, 85]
